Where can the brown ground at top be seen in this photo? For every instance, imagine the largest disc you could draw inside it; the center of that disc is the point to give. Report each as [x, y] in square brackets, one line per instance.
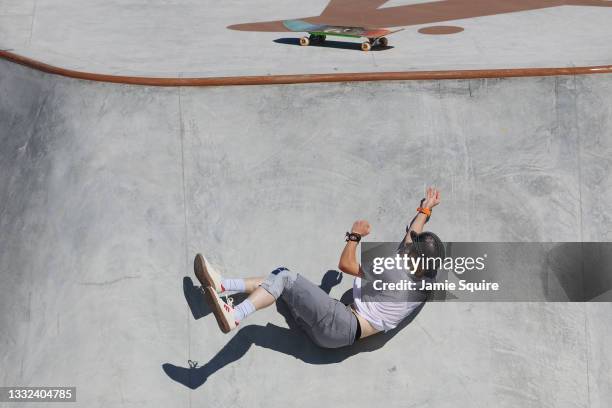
[367, 13]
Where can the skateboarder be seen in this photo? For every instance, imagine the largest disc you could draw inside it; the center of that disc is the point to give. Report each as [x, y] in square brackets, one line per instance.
[328, 322]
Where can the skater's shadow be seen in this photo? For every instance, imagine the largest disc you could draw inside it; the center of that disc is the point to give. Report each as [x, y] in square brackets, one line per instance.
[343, 45]
[291, 341]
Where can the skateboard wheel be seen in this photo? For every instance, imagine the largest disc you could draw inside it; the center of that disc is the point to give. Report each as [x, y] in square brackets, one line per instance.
[383, 42]
[365, 46]
[304, 41]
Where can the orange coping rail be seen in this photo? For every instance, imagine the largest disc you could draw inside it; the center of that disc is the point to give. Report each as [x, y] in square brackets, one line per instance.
[306, 78]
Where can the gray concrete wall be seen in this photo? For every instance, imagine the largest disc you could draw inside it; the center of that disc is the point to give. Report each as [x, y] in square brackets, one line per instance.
[107, 191]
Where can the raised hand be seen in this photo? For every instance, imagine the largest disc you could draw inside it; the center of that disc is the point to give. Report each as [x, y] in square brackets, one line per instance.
[432, 197]
[361, 227]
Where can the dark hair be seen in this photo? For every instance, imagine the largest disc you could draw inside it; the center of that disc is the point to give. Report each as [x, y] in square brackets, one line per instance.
[428, 245]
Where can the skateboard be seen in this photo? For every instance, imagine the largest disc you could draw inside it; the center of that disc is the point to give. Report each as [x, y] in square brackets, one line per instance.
[318, 33]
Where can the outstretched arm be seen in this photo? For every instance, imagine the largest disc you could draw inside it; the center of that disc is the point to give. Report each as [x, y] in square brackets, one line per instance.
[418, 222]
[348, 259]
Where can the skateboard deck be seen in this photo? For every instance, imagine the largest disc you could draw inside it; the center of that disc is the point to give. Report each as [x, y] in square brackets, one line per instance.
[320, 31]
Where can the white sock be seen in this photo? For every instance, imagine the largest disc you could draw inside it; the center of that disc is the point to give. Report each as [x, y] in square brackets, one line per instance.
[243, 310]
[233, 285]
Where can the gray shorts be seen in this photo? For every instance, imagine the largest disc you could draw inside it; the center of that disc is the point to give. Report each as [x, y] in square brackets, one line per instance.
[328, 322]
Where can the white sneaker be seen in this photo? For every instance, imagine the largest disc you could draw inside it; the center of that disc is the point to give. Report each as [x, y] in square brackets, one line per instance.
[224, 312]
[206, 274]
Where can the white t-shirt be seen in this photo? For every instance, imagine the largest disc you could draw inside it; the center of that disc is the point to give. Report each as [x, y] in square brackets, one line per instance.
[383, 316]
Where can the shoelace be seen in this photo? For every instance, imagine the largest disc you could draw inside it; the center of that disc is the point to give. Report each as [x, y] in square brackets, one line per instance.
[230, 301]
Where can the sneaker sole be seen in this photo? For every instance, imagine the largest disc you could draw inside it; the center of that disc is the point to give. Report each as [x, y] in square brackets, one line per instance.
[209, 295]
[201, 272]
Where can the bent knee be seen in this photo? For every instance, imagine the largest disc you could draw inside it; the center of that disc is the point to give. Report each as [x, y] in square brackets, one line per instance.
[281, 270]
[284, 273]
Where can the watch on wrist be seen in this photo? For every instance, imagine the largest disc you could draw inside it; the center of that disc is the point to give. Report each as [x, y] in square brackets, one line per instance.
[353, 236]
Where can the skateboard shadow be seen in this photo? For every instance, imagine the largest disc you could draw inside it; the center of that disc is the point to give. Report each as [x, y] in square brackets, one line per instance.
[345, 45]
[291, 341]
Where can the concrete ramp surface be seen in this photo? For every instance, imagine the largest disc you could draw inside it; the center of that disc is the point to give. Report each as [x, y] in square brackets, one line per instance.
[204, 38]
[107, 192]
